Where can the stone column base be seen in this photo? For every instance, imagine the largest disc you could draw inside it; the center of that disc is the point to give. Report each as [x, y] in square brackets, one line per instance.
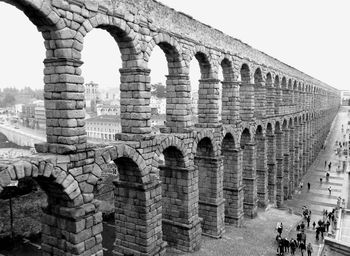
[214, 224]
[188, 236]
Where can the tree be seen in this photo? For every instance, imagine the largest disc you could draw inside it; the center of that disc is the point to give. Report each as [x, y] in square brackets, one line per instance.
[158, 90]
[8, 100]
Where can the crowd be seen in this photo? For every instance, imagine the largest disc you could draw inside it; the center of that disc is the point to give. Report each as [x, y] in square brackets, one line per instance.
[292, 245]
[285, 245]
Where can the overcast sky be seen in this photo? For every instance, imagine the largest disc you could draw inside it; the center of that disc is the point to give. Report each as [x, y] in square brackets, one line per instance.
[310, 35]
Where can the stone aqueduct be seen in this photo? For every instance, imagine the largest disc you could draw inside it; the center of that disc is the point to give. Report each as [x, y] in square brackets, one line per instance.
[274, 120]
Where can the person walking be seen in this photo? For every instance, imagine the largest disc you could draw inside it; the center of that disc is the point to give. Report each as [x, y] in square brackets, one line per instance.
[302, 226]
[330, 190]
[302, 248]
[309, 249]
[308, 219]
[293, 246]
[286, 244]
[308, 186]
[313, 225]
[298, 238]
[329, 166]
[325, 164]
[280, 229]
[327, 225]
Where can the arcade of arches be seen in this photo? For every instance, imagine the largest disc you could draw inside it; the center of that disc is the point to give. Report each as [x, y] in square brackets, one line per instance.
[274, 120]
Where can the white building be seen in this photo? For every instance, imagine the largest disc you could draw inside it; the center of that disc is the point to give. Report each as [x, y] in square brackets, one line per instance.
[103, 127]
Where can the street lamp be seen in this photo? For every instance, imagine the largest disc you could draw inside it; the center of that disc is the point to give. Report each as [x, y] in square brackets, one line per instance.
[13, 184]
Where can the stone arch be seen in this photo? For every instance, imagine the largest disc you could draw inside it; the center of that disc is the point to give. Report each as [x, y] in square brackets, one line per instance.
[227, 69]
[290, 123]
[171, 141]
[269, 128]
[284, 82]
[172, 50]
[246, 94]
[245, 75]
[232, 179]
[140, 175]
[285, 124]
[229, 97]
[134, 190]
[209, 185]
[271, 162]
[276, 83]
[203, 57]
[67, 209]
[124, 36]
[40, 13]
[49, 177]
[175, 169]
[258, 78]
[290, 85]
[295, 85]
[268, 79]
[261, 166]
[259, 95]
[269, 95]
[249, 174]
[279, 162]
[205, 134]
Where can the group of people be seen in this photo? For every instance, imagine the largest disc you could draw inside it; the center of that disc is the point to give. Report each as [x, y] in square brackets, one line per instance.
[285, 245]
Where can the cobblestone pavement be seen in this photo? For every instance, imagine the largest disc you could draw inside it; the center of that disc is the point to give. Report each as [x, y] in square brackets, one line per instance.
[257, 237]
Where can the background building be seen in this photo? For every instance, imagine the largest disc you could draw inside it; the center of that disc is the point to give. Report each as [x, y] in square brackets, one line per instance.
[91, 95]
[107, 109]
[103, 127]
[345, 98]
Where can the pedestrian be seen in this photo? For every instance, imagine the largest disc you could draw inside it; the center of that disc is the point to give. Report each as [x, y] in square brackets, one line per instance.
[298, 227]
[279, 230]
[281, 247]
[308, 219]
[321, 180]
[286, 244]
[329, 166]
[313, 225]
[308, 186]
[303, 237]
[330, 190]
[279, 241]
[327, 225]
[325, 164]
[327, 176]
[302, 226]
[317, 233]
[293, 246]
[298, 238]
[309, 249]
[302, 248]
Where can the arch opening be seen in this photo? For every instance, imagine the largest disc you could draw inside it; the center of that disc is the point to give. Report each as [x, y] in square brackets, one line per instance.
[249, 174]
[232, 182]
